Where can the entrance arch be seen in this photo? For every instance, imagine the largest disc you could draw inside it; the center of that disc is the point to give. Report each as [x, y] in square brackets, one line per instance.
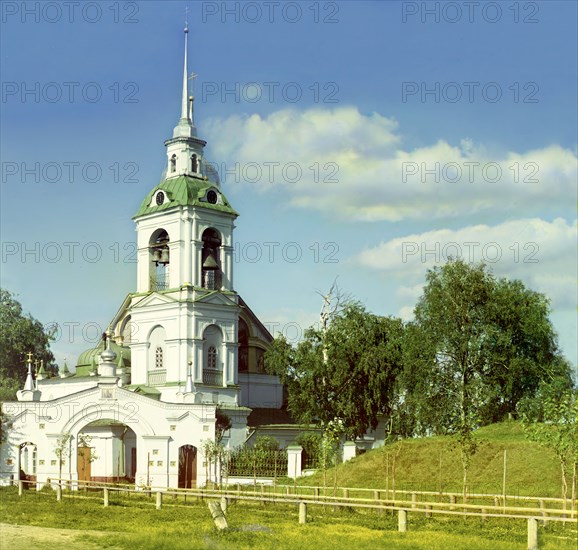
[106, 452]
[187, 467]
[27, 461]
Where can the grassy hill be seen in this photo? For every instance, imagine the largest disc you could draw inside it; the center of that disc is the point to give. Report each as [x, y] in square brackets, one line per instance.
[433, 463]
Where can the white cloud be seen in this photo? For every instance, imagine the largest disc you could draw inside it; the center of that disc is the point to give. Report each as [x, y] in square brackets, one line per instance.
[353, 165]
[540, 253]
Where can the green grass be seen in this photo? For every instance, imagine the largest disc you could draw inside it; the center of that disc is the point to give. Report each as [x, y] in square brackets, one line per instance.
[531, 469]
[132, 522]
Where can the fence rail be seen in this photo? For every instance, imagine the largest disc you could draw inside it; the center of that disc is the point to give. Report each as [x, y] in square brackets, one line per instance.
[402, 508]
[292, 494]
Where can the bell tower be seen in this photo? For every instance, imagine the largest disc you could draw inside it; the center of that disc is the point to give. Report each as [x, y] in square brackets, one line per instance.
[184, 314]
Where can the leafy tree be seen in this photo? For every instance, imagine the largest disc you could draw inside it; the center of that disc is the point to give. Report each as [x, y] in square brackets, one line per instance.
[266, 444]
[551, 422]
[222, 424]
[477, 346]
[19, 334]
[523, 347]
[62, 452]
[342, 372]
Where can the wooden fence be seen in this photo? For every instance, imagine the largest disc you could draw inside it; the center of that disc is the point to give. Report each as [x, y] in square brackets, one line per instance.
[546, 509]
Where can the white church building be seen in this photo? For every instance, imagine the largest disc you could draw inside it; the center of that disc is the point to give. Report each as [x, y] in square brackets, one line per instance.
[183, 349]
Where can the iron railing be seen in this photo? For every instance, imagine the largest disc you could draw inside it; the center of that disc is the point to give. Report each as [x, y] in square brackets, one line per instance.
[212, 377]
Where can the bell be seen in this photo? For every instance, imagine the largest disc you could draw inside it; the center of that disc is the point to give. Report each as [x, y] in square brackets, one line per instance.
[164, 256]
[157, 256]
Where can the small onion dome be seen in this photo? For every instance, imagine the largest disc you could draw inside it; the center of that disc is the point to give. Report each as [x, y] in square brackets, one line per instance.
[108, 356]
[89, 358]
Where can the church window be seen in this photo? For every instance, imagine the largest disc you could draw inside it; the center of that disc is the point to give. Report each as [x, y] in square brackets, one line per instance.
[194, 164]
[159, 358]
[212, 357]
[174, 163]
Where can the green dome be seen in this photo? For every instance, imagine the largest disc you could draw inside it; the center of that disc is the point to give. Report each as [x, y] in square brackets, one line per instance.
[86, 358]
[184, 191]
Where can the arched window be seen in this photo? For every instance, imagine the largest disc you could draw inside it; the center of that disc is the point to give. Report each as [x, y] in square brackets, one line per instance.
[194, 164]
[174, 163]
[212, 363]
[212, 357]
[156, 343]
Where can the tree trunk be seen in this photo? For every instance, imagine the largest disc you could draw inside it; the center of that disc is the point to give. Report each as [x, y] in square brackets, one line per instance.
[564, 484]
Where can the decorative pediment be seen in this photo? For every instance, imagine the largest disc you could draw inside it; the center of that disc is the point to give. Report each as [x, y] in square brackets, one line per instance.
[217, 298]
[154, 299]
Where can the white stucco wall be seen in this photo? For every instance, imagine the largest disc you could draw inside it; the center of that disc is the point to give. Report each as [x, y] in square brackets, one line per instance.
[160, 428]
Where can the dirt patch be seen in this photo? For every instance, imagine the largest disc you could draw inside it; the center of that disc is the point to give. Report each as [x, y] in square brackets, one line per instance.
[25, 537]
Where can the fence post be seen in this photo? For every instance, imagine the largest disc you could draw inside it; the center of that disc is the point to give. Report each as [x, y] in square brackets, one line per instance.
[349, 450]
[20, 488]
[218, 515]
[159, 500]
[532, 534]
[452, 501]
[345, 493]
[224, 504]
[58, 493]
[402, 521]
[105, 496]
[302, 513]
[294, 453]
[542, 507]
[414, 500]
[428, 511]
[484, 514]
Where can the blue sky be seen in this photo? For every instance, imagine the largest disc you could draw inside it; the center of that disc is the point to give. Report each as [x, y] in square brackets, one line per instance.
[393, 129]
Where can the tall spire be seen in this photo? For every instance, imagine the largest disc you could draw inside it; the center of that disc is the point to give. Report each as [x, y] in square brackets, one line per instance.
[185, 127]
[184, 109]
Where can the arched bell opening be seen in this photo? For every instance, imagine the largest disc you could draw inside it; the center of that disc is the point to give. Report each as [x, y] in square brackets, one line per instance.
[211, 274]
[159, 255]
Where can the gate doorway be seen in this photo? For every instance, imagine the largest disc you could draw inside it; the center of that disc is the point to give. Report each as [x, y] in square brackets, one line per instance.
[83, 463]
[187, 467]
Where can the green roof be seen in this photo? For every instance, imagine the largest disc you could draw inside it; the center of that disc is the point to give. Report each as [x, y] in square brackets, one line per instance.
[87, 359]
[184, 191]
